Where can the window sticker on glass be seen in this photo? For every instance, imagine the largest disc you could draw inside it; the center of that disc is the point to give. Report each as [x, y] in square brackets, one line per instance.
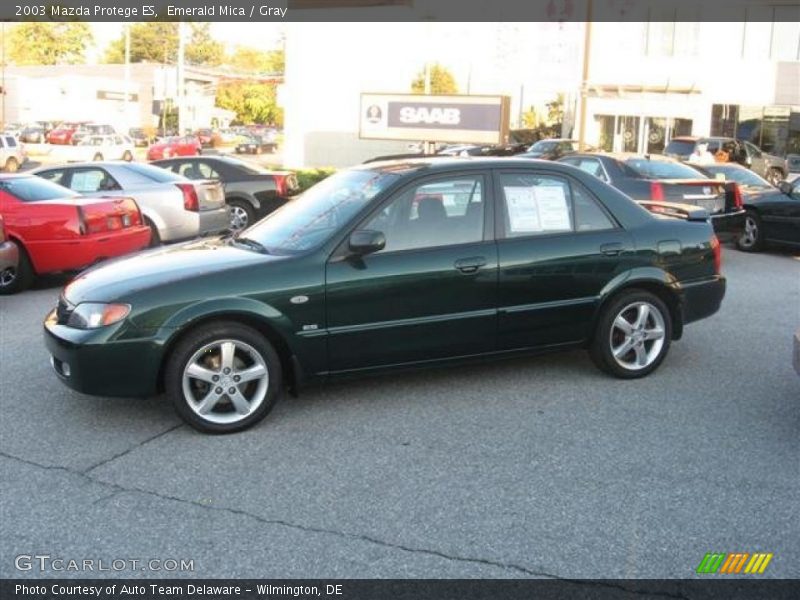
[537, 209]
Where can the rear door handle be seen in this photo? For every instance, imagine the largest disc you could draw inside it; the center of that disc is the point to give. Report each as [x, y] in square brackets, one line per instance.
[470, 265]
[613, 249]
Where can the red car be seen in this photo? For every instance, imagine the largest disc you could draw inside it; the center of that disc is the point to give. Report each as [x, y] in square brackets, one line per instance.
[187, 145]
[62, 135]
[55, 229]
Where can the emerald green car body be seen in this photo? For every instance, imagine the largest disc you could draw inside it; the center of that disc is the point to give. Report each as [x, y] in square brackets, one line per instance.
[328, 312]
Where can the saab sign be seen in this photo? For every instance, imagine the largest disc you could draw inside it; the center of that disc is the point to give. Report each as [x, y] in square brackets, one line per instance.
[472, 119]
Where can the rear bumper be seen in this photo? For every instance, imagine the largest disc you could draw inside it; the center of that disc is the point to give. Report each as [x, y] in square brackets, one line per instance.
[94, 362]
[215, 221]
[701, 299]
[71, 255]
[728, 226]
[9, 256]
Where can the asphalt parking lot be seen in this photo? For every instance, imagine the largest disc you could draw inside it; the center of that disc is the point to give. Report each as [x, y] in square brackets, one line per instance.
[536, 467]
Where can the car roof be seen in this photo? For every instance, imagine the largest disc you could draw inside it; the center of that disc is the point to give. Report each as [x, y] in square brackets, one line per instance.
[624, 156]
[444, 163]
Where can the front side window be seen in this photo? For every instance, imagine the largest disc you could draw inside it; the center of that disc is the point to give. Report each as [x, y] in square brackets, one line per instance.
[445, 212]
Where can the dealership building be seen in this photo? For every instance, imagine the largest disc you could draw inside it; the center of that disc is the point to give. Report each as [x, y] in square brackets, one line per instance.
[102, 93]
[647, 81]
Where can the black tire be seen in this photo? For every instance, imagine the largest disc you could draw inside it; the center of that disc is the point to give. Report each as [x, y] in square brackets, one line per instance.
[241, 209]
[22, 276]
[774, 176]
[752, 238]
[98, 157]
[127, 157]
[12, 166]
[607, 335]
[193, 348]
[155, 237]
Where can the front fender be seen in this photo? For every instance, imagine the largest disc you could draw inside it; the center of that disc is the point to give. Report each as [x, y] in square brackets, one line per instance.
[219, 307]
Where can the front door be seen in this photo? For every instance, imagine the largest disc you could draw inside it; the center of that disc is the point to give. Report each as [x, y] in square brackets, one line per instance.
[431, 292]
[780, 214]
[558, 248]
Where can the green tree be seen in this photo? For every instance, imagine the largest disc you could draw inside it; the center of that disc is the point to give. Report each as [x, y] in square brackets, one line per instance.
[442, 81]
[530, 119]
[251, 60]
[45, 43]
[251, 101]
[158, 42]
[203, 49]
[555, 110]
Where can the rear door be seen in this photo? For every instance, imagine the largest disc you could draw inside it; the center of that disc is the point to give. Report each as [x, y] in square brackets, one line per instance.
[558, 248]
[431, 293]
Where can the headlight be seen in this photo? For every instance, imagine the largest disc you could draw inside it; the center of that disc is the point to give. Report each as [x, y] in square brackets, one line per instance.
[91, 315]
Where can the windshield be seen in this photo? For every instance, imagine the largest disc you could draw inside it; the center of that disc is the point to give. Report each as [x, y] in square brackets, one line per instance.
[311, 219]
[743, 177]
[661, 169]
[680, 147]
[155, 173]
[543, 146]
[34, 189]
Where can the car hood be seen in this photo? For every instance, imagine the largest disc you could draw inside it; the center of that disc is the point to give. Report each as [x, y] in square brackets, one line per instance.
[117, 279]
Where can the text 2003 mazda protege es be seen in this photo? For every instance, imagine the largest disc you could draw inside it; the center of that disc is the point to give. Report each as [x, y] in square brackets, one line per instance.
[389, 265]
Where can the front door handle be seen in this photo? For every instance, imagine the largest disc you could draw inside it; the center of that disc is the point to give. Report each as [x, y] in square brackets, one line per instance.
[613, 249]
[470, 265]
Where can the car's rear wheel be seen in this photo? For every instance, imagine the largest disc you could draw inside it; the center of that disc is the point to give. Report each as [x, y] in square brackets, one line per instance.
[128, 157]
[98, 157]
[752, 238]
[19, 278]
[223, 377]
[774, 176]
[633, 335]
[242, 214]
[155, 237]
[11, 165]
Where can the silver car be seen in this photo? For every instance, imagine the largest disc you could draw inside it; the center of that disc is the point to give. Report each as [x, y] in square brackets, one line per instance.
[176, 208]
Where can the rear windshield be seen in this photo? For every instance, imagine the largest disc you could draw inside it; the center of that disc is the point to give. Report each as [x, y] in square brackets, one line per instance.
[682, 147]
[34, 189]
[156, 174]
[543, 147]
[660, 169]
[742, 176]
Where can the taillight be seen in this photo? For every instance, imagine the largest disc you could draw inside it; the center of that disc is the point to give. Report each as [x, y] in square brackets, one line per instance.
[716, 248]
[190, 200]
[737, 196]
[280, 185]
[656, 191]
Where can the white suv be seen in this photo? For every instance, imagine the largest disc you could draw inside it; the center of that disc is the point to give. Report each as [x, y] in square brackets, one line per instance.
[12, 153]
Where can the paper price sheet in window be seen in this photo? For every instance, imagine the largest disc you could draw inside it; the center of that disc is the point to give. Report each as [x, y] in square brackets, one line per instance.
[537, 209]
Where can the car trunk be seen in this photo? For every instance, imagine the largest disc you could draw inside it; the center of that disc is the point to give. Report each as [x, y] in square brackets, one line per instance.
[210, 194]
[705, 193]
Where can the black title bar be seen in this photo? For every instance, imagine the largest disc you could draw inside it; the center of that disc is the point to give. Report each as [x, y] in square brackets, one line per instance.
[273, 11]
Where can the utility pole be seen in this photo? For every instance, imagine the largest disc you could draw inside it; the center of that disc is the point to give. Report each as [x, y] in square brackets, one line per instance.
[181, 77]
[126, 105]
[3, 83]
[584, 95]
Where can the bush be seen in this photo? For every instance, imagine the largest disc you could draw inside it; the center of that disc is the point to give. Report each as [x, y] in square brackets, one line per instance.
[308, 177]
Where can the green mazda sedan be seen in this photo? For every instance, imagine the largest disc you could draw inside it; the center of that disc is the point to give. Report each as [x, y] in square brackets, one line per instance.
[385, 266]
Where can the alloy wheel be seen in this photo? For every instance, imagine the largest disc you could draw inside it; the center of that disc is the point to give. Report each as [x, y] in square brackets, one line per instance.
[637, 336]
[225, 381]
[750, 235]
[239, 218]
[8, 277]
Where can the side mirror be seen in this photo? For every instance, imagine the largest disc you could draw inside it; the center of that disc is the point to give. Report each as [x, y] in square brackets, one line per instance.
[785, 187]
[366, 241]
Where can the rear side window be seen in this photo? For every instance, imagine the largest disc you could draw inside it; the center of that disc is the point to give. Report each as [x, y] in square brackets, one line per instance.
[34, 189]
[537, 204]
[10, 142]
[93, 180]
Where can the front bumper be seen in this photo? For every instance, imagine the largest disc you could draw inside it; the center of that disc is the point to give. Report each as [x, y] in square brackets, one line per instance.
[101, 362]
[9, 256]
[728, 226]
[701, 299]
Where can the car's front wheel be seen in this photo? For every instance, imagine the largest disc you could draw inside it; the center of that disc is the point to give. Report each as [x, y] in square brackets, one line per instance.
[12, 166]
[752, 238]
[98, 157]
[223, 377]
[17, 278]
[127, 157]
[633, 335]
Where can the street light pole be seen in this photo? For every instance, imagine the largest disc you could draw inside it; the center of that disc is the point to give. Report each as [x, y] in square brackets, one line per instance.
[126, 105]
[181, 76]
[584, 92]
